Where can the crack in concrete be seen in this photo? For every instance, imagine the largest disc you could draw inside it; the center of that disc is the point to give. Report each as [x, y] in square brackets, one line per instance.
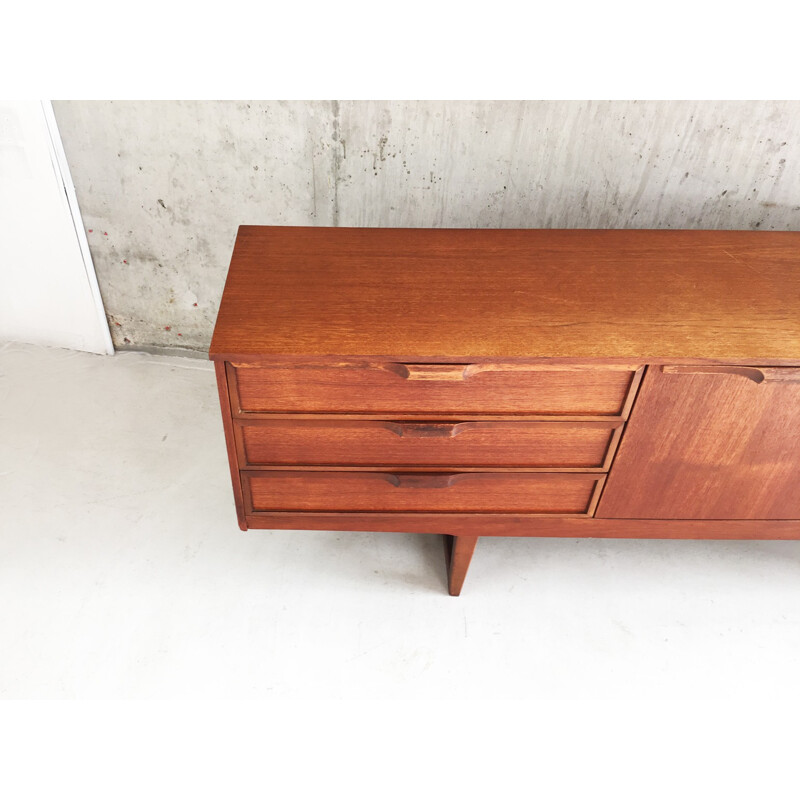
[337, 158]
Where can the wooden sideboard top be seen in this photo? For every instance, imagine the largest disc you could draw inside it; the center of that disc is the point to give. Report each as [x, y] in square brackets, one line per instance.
[477, 293]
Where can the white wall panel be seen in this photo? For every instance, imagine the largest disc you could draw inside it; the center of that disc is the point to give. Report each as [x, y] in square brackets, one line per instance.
[47, 290]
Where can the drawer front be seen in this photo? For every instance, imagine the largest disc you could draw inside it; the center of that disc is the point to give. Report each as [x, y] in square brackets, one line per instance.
[433, 389]
[362, 443]
[498, 493]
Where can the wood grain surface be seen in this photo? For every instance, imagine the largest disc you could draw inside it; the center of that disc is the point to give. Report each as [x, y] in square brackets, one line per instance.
[532, 525]
[434, 293]
[368, 443]
[230, 441]
[585, 390]
[458, 555]
[720, 443]
[532, 492]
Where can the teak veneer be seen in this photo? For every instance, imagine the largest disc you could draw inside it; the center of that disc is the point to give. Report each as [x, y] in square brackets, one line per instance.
[477, 383]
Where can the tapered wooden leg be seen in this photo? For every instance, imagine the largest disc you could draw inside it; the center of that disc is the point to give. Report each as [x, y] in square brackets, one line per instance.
[458, 552]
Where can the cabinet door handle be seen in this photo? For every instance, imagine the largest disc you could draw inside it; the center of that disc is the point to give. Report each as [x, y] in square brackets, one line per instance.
[420, 430]
[755, 374]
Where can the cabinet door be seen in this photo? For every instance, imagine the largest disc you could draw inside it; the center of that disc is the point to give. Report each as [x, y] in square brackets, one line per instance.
[717, 442]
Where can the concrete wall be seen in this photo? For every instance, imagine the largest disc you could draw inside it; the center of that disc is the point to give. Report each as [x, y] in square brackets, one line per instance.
[164, 185]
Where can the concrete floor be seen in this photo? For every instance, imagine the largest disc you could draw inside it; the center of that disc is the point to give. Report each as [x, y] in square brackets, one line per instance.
[123, 575]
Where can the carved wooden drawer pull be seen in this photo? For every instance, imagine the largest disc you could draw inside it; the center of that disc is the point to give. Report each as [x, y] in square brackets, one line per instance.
[422, 481]
[421, 430]
[430, 372]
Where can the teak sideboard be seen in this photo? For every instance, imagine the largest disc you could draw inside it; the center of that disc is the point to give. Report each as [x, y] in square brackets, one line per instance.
[574, 383]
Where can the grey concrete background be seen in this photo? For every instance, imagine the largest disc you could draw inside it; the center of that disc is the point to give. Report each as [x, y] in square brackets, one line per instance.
[163, 186]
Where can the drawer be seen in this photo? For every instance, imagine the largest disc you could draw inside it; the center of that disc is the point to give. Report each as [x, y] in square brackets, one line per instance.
[433, 389]
[464, 492]
[365, 443]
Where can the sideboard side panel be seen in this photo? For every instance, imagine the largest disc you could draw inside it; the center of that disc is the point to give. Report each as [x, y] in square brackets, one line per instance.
[230, 440]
